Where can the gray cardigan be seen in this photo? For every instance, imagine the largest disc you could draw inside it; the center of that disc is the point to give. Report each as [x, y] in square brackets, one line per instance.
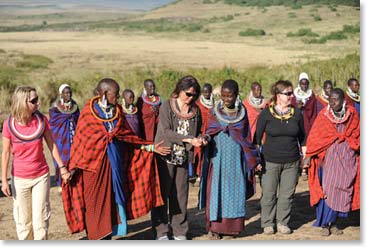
[167, 126]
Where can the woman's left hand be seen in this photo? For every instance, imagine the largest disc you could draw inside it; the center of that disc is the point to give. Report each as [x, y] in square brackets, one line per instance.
[159, 149]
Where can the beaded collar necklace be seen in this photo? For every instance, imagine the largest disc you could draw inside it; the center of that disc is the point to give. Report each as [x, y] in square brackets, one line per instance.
[61, 106]
[131, 110]
[92, 101]
[344, 115]
[324, 97]
[208, 103]
[153, 100]
[301, 95]
[352, 95]
[176, 110]
[279, 115]
[28, 138]
[219, 108]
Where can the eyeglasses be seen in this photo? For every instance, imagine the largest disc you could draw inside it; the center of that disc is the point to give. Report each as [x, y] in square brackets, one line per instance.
[34, 101]
[190, 94]
[287, 93]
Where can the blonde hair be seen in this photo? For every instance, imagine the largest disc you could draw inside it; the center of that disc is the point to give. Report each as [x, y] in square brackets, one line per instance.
[19, 107]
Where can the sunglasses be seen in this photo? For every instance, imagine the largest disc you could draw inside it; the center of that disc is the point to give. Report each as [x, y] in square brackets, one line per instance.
[287, 93]
[190, 94]
[34, 101]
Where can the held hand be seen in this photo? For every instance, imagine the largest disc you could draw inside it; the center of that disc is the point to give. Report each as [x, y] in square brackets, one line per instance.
[306, 162]
[65, 175]
[159, 149]
[259, 167]
[204, 141]
[5, 188]
[196, 142]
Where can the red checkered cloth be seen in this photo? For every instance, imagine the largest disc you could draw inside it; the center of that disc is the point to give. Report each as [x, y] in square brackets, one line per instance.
[87, 151]
[142, 185]
[322, 135]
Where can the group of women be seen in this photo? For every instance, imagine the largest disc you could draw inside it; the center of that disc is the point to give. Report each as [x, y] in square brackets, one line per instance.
[140, 157]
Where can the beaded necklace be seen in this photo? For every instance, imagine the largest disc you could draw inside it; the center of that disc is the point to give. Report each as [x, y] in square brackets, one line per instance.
[352, 95]
[219, 107]
[28, 138]
[131, 110]
[208, 103]
[67, 108]
[117, 114]
[176, 110]
[153, 100]
[281, 115]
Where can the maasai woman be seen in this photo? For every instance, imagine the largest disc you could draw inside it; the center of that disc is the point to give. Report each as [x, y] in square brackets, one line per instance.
[233, 158]
[95, 200]
[334, 175]
[305, 100]
[254, 104]
[23, 133]
[323, 98]
[148, 104]
[205, 103]
[352, 96]
[131, 111]
[64, 116]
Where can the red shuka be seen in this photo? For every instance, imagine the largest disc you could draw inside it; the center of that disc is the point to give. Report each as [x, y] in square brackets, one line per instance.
[322, 135]
[89, 152]
[252, 115]
[149, 118]
[198, 152]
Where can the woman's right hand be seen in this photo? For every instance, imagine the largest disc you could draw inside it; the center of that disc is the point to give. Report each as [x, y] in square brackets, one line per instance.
[5, 188]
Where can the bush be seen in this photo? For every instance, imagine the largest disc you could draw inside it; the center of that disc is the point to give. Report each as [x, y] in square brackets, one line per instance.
[317, 18]
[252, 32]
[351, 28]
[302, 33]
[338, 35]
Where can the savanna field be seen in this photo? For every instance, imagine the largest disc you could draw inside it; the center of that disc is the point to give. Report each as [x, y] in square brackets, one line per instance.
[47, 44]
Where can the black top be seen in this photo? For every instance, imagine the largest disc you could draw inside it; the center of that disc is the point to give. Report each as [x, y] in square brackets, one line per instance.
[283, 137]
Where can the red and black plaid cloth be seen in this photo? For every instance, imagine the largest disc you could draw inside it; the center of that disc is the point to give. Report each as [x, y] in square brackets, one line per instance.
[322, 135]
[87, 151]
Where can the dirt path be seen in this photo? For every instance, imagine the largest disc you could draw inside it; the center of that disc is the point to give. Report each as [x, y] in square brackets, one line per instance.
[302, 218]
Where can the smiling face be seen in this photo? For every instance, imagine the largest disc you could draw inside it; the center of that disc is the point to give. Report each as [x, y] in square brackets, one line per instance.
[327, 88]
[285, 97]
[66, 94]
[304, 84]
[228, 97]
[354, 86]
[207, 92]
[335, 102]
[33, 101]
[187, 95]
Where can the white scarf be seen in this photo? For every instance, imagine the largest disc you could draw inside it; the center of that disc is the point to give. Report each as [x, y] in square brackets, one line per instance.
[302, 95]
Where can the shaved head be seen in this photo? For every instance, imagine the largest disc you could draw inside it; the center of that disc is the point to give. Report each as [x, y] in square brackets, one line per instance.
[107, 84]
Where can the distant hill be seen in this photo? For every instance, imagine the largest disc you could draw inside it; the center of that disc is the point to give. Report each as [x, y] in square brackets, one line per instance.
[65, 4]
[266, 3]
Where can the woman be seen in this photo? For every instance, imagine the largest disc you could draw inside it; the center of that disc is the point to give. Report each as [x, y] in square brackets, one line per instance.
[179, 128]
[131, 112]
[333, 146]
[254, 104]
[148, 104]
[97, 199]
[205, 103]
[233, 159]
[323, 98]
[64, 116]
[284, 128]
[23, 133]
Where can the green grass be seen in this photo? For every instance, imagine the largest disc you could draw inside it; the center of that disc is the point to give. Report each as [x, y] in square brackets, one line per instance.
[34, 62]
[338, 69]
[292, 3]
[292, 15]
